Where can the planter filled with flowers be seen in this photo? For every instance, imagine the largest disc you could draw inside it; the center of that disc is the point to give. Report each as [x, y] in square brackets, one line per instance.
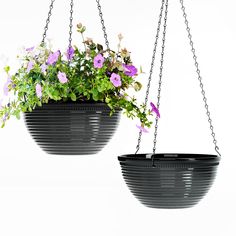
[72, 101]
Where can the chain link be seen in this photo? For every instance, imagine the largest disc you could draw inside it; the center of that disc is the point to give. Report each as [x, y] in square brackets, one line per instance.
[103, 24]
[151, 70]
[160, 75]
[71, 25]
[48, 21]
[199, 77]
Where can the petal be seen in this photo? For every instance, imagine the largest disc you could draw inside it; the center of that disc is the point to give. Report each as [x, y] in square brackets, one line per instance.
[155, 110]
[142, 129]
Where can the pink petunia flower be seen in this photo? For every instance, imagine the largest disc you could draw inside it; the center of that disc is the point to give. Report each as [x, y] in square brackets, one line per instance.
[53, 57]
[6, 86]
[38, 89]
[29, 49]
[155, 110]
[98, 61]
[62, 77]
[70, 53]
[116, 80]
[142, 128]
[30, 66]
[43, 68]
[130, 70]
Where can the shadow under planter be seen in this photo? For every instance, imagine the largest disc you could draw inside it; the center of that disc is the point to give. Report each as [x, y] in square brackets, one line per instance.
[174, 181]
[72, 128]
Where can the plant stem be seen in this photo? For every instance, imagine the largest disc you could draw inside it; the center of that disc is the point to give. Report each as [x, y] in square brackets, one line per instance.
[83, 41]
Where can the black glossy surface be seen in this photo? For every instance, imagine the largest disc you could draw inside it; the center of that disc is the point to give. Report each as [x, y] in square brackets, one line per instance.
[72, 128]
[175, 180]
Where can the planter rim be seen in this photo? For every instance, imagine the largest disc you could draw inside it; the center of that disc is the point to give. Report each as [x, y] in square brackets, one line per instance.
[74, 106]
[170, 157]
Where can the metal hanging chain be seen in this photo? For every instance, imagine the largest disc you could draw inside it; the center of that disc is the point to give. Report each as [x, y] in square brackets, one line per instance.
[160, 75]
[151, 70]
[199, 77]
[71, 25]
[103, 24]
[48, 21]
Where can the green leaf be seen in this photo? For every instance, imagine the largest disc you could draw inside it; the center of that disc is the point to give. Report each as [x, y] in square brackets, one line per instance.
[95, 94]
[107, 100]
[17, 114]
[141, 70]
[100, 89]
[137, 86]
[110, 106]
[7, 69]
[39, 103]
[73, 97]
[99, 47]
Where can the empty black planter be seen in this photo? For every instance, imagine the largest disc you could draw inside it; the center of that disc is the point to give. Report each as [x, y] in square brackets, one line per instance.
[72, 128]
[175, 180]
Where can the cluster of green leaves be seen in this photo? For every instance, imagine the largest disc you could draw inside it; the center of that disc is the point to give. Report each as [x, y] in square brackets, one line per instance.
[85, 82]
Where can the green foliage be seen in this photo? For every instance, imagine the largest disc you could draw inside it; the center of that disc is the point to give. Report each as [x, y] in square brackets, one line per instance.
[86, 82]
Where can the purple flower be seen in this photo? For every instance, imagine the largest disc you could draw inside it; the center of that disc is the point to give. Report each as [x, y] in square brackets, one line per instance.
[6, 90]
[142, 128]
[155, 110]
[38, 89]
[130, 70]
[62, 77]
[29, 49]
[70, 53]
[30, 66]
[116, 80]
[9, 81]
[6, 86]
[44, 68]
[53, 57]
[98, 61]
[5, 117]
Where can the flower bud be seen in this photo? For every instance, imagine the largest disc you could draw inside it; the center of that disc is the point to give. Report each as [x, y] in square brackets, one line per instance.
[120, 36]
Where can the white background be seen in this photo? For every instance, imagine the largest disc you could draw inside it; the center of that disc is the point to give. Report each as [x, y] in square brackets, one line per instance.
[86, 195]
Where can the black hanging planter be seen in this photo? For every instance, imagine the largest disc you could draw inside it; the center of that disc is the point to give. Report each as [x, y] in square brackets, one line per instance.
[72, 128]
[172, 180]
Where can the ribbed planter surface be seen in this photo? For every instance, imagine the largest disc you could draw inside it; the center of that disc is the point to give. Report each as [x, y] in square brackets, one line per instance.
[175, 180]
[72, 128]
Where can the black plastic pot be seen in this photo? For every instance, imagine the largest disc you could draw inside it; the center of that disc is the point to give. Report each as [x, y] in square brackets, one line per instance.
[72, 128]
[175, 180]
